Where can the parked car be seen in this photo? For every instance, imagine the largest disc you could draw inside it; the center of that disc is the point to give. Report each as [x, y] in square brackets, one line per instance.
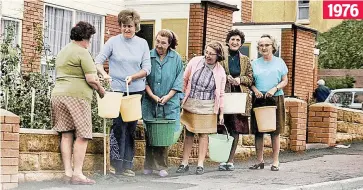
[346, 97]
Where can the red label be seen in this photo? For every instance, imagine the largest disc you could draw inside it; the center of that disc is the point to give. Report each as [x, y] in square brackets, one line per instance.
[341, 9]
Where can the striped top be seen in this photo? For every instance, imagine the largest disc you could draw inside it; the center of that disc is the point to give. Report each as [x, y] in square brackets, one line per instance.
[203, 84]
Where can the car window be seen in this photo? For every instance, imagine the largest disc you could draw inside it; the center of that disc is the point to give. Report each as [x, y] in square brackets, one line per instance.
[344, 98]
[358, 97]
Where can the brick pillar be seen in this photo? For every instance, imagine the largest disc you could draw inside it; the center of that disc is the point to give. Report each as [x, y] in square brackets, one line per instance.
[246, 11]
[32, 31]
[296, 111]
[9, 137]
[196, 21]
[112, 28]
[322, 124]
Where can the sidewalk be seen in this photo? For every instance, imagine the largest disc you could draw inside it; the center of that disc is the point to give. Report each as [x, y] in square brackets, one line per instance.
[315, 169]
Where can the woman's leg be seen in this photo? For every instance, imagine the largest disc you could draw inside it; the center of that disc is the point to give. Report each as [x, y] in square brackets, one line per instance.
[275, 139]
[188, 145]
[79, 153]
[259, 146]
[66, 150]
[203, 147]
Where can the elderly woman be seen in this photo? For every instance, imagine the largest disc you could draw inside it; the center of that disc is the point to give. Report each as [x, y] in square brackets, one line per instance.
[71, 101]
[129, 62]
[270, 76]
[204, 83]
[239, 79]
[162, 85]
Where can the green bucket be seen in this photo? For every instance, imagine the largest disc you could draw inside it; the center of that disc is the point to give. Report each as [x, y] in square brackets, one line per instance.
[220, 147]
[160, 132]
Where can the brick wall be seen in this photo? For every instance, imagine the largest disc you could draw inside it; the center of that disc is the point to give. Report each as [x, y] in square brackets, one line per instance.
[219, 23]
[322, 124]
[9, 137]
[32, 31]
[305, 72]
[246, 11]
[112, 28]
[196, 21]
[349, 125]
[304, 64]
[356, 73]
[287, 45]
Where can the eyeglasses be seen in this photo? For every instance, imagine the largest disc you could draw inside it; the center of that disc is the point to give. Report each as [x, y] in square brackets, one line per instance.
[209, 53]
[264, 45]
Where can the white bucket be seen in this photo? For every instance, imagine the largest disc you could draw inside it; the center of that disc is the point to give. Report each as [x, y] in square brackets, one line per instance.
[266, 118]
[235, 103]
[109, 105]
[130, 108]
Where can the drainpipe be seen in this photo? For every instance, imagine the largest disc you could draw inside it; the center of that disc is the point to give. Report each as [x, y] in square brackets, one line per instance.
[294, 60]
[205, 22]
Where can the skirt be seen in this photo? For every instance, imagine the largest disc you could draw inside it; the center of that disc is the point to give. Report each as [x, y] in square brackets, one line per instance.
[280, 113]
[72, 114]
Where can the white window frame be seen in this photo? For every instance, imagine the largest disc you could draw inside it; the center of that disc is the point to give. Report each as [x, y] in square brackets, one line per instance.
[298, 20]
[20, 30]
[74, 14]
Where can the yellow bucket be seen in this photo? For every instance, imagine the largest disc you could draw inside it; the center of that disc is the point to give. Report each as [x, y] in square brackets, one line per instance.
[109, 105]
[266, 118]
[130, 108]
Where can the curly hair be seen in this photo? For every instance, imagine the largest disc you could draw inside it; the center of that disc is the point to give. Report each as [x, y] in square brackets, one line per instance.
[218, 48]
[275, 47]
[127, 16]
[82, 31]
[235, 32]
[172, 37]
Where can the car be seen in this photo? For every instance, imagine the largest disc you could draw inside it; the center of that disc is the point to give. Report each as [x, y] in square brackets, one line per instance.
[346, 97]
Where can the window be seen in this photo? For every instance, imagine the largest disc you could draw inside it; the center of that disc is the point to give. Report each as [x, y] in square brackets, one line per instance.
[58, 23]
[303, 10]
[245, 49]
[358, 97]
[147, 32]
[6, 26]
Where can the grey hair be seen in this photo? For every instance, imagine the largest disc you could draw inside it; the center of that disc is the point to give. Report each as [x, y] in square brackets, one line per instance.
[275, 47]
[321, 82]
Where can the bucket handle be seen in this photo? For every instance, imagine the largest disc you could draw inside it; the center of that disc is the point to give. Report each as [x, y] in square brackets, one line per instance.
[227, 132]
[156, 110]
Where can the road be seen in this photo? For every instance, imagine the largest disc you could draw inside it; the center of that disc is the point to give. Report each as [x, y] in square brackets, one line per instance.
[331, 168]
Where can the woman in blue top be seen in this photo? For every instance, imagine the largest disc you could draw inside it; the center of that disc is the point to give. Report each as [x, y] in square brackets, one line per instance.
[129, 62]
[270, 76]
[162, 85]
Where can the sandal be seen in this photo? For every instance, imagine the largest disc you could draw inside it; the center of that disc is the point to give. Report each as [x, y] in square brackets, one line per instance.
[66, 179]
[230, 167]
[258, 166]
[182, 169]
[275, 168]
[76, 180]
[199, 170]
[222, 167]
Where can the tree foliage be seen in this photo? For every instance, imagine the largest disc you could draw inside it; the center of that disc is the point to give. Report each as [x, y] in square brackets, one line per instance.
[342, 46]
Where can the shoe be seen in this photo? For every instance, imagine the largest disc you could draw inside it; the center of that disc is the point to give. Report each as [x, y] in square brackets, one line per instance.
[182, 169]
[147, 172]
[76, 180]
[163, 173]
[199, 170]
[230, 167]
[128, 173]
[258, 166]
[275, 168]
[66, 179]
[222, 166]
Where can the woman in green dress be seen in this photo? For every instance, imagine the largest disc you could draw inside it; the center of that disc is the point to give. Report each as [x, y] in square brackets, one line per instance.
[162, 87]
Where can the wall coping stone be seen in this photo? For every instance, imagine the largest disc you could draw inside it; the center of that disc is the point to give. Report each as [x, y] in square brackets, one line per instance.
[323, 104]
[293, 100]
[350, 110]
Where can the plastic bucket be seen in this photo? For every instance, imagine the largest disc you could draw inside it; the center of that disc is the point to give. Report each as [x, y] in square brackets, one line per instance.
[266, 118]
[109, 105]
[220, 147]
[160, 132]
[130, 108]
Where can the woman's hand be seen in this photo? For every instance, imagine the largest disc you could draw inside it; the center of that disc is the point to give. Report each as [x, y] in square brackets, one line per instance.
[155, 98]
[221, 118]
[164, 99]
[101, 92]
[237, 81]
[271, 92]
[231, 80]
[129, 79]
[258, 93]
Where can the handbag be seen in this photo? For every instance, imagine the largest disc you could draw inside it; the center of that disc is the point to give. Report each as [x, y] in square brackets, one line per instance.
[235, 103]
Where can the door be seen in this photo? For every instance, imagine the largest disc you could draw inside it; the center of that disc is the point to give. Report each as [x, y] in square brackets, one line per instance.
[180, 28]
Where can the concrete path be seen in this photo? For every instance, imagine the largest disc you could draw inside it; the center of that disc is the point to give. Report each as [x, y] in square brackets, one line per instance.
[314, 169]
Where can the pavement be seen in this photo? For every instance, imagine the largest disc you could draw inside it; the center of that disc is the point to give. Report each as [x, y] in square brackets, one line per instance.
[323, 169]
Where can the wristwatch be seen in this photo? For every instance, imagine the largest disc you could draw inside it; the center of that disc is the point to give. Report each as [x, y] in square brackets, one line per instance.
[277, 88]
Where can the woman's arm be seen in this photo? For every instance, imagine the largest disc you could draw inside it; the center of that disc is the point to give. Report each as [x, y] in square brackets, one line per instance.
[151, 94]
[278, 87]
[104, 54]
[247, 79]
[178, 82]
[94, 82]
[221, 98]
